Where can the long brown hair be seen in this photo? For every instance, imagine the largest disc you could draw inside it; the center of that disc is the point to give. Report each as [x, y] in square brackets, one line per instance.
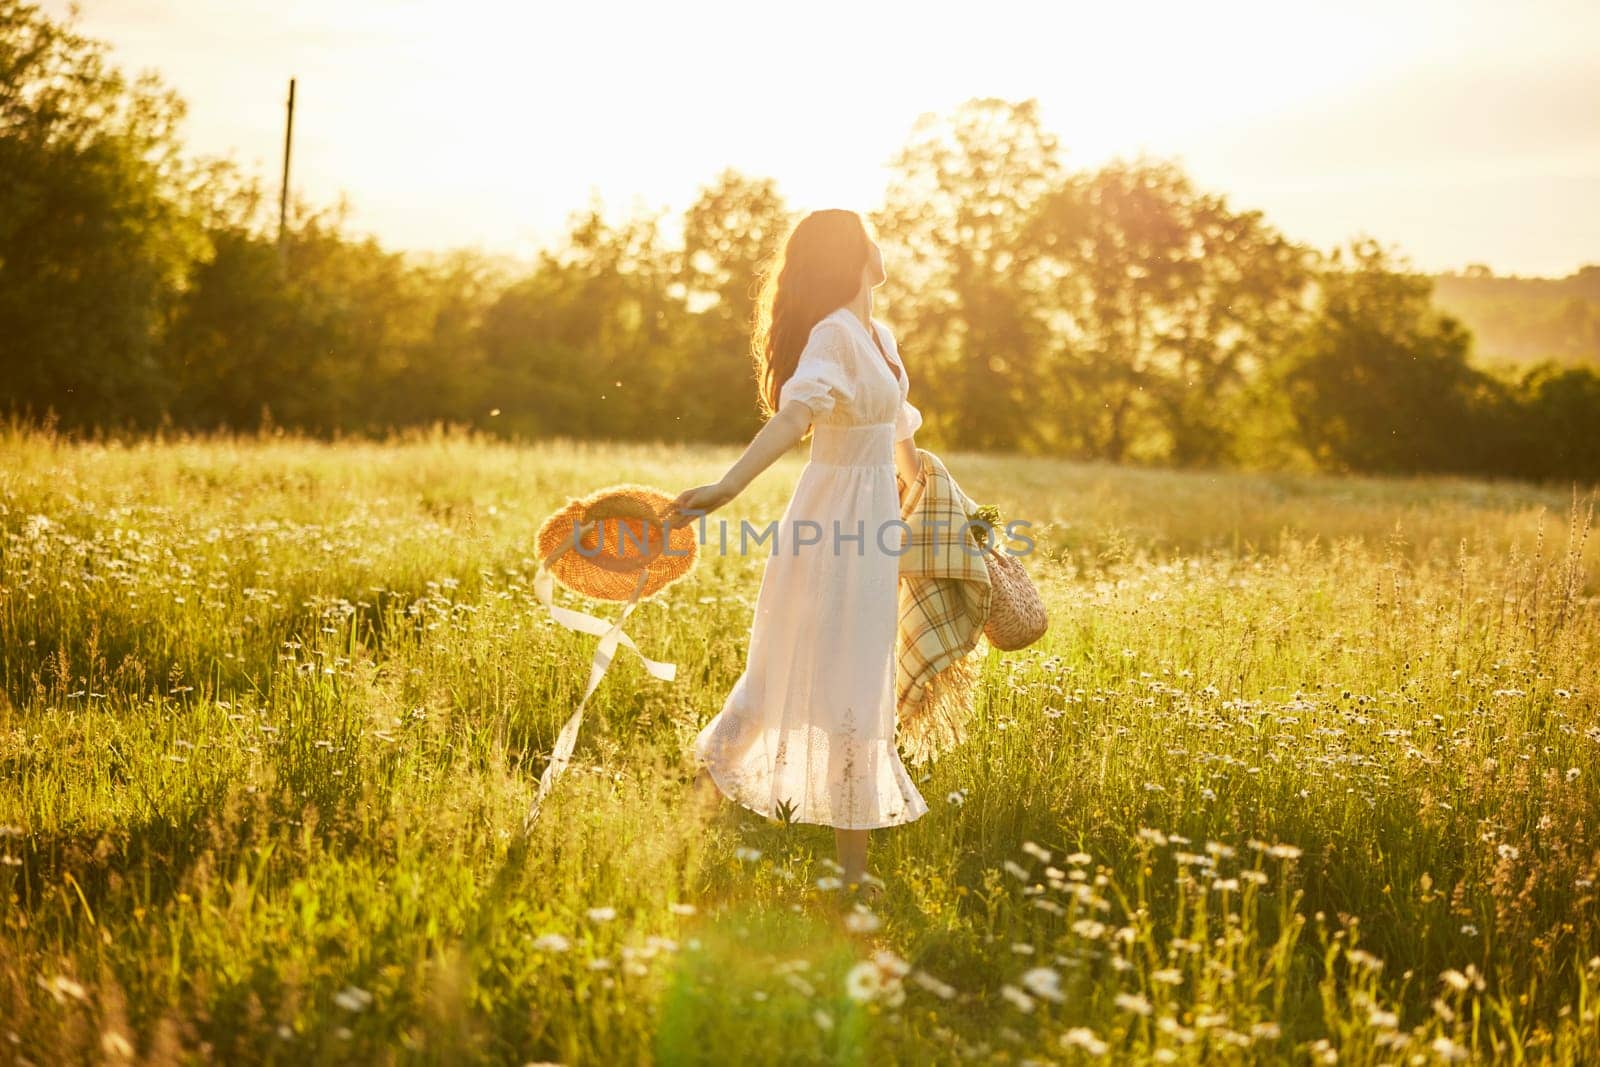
[818, 270]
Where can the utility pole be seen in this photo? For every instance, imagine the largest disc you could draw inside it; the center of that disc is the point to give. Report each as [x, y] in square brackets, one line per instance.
[283, 193]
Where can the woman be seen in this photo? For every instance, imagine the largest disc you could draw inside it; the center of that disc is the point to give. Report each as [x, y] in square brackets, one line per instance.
[808, 730]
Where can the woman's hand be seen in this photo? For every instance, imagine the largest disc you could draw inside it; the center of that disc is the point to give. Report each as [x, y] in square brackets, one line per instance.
[702, 499]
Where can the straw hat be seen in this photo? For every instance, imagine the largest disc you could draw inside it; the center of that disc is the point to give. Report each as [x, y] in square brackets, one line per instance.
[597, 545]
[613, 545]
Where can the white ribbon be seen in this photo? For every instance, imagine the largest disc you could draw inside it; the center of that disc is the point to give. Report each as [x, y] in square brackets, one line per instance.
[610, 635]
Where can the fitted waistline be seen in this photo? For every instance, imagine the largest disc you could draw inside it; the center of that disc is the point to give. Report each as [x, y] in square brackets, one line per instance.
[869, 445]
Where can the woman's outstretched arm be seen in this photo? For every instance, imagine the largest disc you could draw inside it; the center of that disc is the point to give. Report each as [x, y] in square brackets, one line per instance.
[781, 433]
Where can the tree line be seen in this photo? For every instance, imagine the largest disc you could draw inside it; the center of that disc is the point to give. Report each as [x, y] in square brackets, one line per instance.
[1522, 320]
[1114, 313]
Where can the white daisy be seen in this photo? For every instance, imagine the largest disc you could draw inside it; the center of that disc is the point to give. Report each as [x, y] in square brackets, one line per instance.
[351, 998]
[1044, 982]
[864, 981]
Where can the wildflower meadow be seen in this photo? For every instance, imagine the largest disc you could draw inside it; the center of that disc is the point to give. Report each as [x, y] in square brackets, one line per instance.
[1306, 770]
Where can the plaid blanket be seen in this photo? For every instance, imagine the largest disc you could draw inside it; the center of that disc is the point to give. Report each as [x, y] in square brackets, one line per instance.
[944, 600]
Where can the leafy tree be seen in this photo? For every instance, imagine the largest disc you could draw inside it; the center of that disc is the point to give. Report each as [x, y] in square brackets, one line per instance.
[584, 344]
[95, 238]
[337, 334]
[962, 286]
[445, 360]
[730, 233]
[1518, 321]
[1118, 313]
[1380, 379]
[1173, 303]
[1552, 431]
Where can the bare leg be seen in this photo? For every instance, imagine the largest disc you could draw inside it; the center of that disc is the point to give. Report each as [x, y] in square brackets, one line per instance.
[852, 846]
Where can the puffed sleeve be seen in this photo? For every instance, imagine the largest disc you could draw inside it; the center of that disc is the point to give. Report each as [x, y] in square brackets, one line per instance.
[907, 421]
[819, 380]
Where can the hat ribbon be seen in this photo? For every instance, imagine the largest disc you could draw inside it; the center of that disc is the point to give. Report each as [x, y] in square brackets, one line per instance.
[610, 635]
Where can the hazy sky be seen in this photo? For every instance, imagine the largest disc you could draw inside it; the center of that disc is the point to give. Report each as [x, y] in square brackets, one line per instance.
[1462, 131]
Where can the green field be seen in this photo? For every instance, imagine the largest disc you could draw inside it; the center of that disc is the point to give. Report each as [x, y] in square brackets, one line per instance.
[1306, 770]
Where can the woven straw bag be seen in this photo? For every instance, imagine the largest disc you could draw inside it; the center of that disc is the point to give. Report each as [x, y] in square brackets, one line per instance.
[1017, 617]
[1016, 613]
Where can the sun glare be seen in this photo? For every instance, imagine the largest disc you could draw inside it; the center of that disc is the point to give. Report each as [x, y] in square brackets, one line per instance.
[472, 122]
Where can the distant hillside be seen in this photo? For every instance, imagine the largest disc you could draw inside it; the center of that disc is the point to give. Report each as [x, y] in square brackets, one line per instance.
[1524, 320]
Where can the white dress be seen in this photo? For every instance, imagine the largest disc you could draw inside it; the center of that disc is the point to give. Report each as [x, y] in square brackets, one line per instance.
[811, 721]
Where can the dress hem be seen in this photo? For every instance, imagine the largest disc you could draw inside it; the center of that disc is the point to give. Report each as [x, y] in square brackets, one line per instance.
[770, 814]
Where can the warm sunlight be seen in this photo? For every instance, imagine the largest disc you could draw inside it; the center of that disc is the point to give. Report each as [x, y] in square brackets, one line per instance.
[1108, 491]
[485, 123]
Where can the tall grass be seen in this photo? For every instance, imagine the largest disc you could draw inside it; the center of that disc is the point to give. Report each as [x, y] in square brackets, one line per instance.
[1306, 769]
